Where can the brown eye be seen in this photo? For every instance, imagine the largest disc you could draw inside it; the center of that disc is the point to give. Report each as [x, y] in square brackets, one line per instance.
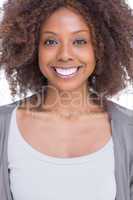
[80, 42]
[50, 42]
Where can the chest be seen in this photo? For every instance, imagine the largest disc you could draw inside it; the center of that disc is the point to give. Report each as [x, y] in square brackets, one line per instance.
[61, 139]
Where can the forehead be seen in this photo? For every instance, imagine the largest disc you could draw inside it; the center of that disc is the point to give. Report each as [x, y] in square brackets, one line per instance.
[65, 18]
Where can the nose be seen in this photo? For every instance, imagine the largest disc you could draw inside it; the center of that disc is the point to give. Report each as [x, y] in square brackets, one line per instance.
[65, 53]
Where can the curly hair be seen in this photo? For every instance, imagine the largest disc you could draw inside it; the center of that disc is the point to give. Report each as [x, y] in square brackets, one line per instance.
[111, 23]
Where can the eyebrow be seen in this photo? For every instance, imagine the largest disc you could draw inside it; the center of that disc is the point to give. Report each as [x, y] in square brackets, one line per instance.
[50, 32]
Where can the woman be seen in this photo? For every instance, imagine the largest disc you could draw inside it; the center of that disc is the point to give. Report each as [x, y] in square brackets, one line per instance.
[67, 141]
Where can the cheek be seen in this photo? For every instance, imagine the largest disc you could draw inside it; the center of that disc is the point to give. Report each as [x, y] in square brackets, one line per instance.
[90, 57]
[87, 55]
[42, 61]
[44, 57]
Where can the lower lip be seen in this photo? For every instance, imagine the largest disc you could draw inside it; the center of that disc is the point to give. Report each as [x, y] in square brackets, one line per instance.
[68, 76]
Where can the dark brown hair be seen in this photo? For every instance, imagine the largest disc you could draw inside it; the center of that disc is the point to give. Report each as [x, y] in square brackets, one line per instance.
[111, 24]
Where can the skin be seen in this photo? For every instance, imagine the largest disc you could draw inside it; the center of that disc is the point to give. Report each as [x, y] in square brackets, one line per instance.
[67, 46]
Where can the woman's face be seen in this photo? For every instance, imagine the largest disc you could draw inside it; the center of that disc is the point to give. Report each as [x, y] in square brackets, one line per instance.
[66, 48]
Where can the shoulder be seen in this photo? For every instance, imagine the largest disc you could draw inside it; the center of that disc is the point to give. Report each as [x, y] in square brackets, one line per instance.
[122, 119]
[5, 117]
[119, 113]
[6, 110]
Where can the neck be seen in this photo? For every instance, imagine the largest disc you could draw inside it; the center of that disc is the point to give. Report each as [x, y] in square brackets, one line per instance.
[69, 102]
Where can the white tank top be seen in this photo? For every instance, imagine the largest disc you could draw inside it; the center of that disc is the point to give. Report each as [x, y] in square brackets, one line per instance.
[36, 176]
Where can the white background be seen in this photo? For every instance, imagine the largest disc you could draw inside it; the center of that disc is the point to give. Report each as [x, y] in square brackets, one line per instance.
[124, 97]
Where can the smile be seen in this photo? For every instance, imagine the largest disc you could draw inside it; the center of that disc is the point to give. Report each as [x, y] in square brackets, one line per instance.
[67, 72]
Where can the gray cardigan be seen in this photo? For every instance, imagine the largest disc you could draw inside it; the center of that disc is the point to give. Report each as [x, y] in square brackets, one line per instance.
[121, 120]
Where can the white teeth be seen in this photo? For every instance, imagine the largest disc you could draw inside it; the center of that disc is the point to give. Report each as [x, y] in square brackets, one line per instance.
[66, 71]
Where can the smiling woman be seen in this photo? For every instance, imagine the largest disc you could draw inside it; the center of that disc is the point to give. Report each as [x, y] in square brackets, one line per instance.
[67, 137]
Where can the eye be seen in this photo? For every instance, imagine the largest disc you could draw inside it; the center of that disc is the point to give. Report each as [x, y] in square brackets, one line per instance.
[50, 42]
[80, 42]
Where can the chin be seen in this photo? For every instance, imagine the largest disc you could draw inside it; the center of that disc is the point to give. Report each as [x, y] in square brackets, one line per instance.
[68, 86]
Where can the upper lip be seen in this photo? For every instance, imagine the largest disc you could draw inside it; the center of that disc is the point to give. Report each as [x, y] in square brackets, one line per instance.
[66, 67]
